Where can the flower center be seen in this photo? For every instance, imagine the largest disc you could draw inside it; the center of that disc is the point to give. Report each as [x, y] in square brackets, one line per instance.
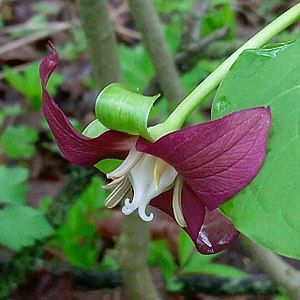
[146, 186]
[148, 176]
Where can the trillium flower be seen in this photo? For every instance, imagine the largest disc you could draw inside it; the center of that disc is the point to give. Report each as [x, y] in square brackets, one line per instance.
[187, 174]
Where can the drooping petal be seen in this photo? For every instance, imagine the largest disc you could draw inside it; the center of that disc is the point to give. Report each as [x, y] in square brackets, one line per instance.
[216, 233]
[216, 159]
[76, 147]
[192, 208]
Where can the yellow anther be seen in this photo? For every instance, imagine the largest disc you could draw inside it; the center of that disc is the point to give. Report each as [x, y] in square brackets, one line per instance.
[159, 169]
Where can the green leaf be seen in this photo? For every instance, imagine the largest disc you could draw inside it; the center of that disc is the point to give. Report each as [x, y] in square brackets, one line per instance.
[159, 254]
[136, 65]
[28, 83]
[44, 204]
[196, 265]
[108, 165]
[267, 210]
[9, 111]
[166, 6]
[108, 263]
[21, 226]
[186, 250]
[222, 16]
[222, 270]
[18, 142]
[13, 189]
[191, 261]
[78, 235]
[121, 109]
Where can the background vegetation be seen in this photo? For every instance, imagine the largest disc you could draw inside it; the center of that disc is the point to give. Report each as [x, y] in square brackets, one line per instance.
[58, 241]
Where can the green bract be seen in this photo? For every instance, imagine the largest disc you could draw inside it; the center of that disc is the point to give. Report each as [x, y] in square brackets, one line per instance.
[268, 209]
[121, 109]
[94, 129]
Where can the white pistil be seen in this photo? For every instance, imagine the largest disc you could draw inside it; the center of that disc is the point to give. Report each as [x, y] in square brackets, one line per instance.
[144, 186]
[177, 207]
[148, 176]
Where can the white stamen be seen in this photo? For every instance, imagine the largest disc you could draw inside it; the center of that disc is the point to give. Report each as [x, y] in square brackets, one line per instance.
[177, 207]
[118, 193]
[130, 161]
[112, 185]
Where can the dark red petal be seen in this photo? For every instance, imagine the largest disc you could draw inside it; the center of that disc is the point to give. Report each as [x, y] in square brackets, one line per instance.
[216, 233]
[76, 147]
[192, 208]
[216, 159]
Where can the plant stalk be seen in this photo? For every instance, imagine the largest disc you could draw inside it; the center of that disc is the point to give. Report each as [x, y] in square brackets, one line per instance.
[148, 23]
[100, 39]
[183, 110]
[131, 251]
[131, 254]
[276, 268]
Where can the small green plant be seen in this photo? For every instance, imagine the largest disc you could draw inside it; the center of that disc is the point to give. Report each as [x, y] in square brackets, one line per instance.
[28, 84]
[18, 142]
[21, 225]
[78, 237]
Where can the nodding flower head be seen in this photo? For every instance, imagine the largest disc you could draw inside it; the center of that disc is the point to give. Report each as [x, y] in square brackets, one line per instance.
[187, 173]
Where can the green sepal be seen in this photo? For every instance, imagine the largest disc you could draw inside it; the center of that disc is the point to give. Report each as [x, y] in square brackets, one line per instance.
[108, 165]
[122, 109]
[94, 129]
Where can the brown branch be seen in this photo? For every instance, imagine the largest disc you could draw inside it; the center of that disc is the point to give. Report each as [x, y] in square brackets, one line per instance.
[191, 31]
[187, 58]
[186, 284]
[35, 37]
[194, 50]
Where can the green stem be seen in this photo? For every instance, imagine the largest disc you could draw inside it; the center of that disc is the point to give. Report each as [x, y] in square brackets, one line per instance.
[183, 110]
[131, 253]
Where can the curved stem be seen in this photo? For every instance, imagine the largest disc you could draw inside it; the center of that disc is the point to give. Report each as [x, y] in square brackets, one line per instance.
[177, 118]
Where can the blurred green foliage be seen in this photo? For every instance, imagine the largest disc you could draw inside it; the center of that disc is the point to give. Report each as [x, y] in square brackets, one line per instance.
[20, 225]
[28, 83]
[78, 237]
[18, 142]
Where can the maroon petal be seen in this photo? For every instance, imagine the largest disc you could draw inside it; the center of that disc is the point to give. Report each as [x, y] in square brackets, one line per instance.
[192, 208]
[76, 147]
[216, 159]
[216, 233]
